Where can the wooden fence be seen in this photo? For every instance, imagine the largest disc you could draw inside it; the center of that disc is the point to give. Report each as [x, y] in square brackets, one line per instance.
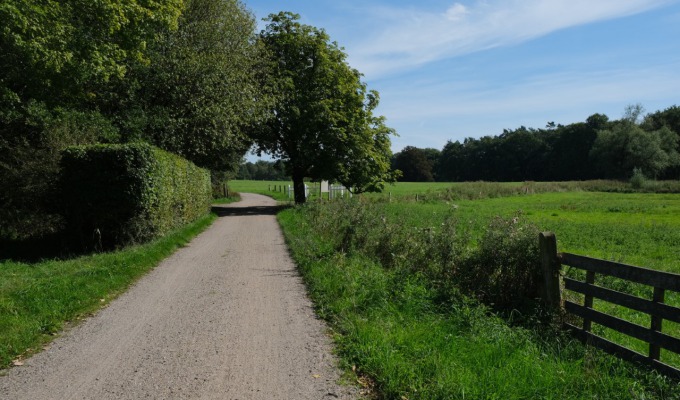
[657, 310]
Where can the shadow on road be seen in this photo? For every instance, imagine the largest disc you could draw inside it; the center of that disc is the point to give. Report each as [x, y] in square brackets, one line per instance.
[223, 211]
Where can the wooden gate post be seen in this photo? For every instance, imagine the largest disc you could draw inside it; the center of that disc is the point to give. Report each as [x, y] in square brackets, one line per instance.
[550, 264]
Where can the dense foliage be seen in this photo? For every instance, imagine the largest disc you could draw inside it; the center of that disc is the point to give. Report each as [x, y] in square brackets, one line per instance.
[322, 124]
[200, 94]
[503, 269]
[595, 149]
[120, 194]
[416, 165]
[262, 170]
[180, 74]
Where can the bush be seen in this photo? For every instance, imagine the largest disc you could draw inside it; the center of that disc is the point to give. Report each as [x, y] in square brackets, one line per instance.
[505, 269]
[502, 269]
[638, 180]
[121, 194]
[30, 150]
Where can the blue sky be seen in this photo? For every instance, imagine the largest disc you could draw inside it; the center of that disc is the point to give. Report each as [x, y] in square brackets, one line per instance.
[447, 70]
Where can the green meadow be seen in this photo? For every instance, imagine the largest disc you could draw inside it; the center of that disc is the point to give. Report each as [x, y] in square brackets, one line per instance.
[634, 228]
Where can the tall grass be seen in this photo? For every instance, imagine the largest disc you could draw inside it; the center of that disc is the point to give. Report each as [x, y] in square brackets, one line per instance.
[409, 327]
[38, 299]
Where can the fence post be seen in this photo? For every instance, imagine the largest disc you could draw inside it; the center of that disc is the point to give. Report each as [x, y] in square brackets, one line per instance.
[655, 349]
[550, 264]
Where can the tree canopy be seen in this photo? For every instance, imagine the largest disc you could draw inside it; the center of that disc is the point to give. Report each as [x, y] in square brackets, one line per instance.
[180, 74]
[595, 149]
[200, 92]
[322, 124]
[415, 164]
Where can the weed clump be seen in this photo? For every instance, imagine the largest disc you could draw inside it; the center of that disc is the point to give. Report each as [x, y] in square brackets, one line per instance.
[502, 270]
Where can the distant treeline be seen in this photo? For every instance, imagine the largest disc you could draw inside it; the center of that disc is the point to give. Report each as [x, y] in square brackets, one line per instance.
[595, 149]
[262, 171]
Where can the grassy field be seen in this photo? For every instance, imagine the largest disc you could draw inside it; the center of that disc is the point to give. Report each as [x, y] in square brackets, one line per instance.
[273, 189]
[410, 340]
[636, 228]
[38, 299]
[393, 330]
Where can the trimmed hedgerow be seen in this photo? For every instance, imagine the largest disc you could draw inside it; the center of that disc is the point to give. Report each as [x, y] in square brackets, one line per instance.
[120, 194]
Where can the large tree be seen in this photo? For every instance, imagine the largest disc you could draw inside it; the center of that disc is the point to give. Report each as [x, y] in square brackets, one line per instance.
[414, 164]
[200, 93]
[58, 59]
[322, 125]
[617, 151]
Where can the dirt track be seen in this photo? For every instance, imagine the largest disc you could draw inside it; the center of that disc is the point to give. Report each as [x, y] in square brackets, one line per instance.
[226, 317]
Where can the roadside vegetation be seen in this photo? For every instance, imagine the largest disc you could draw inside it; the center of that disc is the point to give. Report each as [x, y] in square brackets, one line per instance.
[434, 299]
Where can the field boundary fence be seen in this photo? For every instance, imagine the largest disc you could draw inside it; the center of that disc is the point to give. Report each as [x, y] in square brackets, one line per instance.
[555, 284]
[333, 191]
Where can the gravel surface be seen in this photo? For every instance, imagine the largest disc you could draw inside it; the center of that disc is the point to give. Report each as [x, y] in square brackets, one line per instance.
[226, 317]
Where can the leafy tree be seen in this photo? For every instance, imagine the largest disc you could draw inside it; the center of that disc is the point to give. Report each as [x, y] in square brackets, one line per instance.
[669, 118]
[626, 146]
[414, 165]
[58, 58]
[322, 124]
[567, 151]
[597, 121]
[519, 155]
[262, 170]
[200, 94]
[59, 51]
[449, 167]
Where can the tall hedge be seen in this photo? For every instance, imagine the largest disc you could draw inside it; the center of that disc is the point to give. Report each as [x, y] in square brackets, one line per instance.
[120, 194]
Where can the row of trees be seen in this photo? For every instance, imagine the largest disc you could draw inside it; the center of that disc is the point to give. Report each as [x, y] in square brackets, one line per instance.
[262, 170]
[189, 76]
[594, 149]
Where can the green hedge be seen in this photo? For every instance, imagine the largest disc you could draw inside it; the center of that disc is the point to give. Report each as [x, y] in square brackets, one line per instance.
[120, 194]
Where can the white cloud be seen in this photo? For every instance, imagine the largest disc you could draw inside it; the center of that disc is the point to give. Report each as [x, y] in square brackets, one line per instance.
[408, 38]
[456, 12]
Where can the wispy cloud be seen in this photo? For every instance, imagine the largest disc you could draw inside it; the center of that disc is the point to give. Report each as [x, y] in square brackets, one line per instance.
[409, 38]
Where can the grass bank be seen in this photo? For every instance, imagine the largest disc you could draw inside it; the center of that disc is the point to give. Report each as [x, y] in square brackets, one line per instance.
[400, 323]
[38, 299]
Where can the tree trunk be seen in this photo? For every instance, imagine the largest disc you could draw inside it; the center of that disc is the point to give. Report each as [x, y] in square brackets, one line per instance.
[299, 188]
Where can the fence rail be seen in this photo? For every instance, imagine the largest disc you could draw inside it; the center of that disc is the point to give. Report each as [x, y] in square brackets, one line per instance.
[656, 308]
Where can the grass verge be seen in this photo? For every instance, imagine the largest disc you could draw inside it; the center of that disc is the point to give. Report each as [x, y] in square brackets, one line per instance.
[416, 342]
[233, 198]
[38, 299]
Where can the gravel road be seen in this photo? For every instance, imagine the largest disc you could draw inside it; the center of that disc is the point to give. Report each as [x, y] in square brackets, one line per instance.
[226, 317]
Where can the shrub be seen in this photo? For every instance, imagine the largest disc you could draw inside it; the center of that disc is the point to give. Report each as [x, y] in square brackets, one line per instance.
[505, 268]
[638, 180]
[502, 269]
[120, 194]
